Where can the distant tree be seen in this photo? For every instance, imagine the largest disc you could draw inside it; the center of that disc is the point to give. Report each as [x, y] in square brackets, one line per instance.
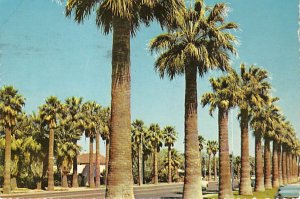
[154, 138]
[137, 133]
[50, 114]
[169, 136]
[74, 116]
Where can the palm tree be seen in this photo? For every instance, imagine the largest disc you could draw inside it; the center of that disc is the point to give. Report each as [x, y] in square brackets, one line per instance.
[198, 44]
[176, 163]
[202, 142]
[105, 131]
[209, 148]
[50, 113]
[214, 151]
[155, 138]
[169, 137]
[91, 111]
[138, 133]
[11, 104]
[224, 97]
[122, 18]
[73, 106]
[254, 93]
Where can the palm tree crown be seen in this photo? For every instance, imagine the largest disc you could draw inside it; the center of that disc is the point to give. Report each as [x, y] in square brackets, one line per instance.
[200, 38]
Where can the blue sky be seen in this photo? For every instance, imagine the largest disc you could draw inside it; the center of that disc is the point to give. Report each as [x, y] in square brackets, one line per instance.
[43, 53]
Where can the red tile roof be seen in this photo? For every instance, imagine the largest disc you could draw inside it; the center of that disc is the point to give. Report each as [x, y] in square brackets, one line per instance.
[84, 159]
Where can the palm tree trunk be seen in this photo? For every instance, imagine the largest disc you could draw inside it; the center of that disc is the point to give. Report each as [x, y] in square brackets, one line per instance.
[44, 173]
[275, 180]
[106, 159]
[245, 181]
[155, 169]
[91, 162]
[7, 162]
[225, 186]
[13, 182]
[64, 180]
[209, 168]
[39, 184]
[97, 159]
[279, 165]
[51, 161]
[215, 168]
[192, 179]
[169, 165]
[140, 180]
[120, 183]
[283, 163]
[288, 166]
[75, 173]
[259, 174]
[267, 164]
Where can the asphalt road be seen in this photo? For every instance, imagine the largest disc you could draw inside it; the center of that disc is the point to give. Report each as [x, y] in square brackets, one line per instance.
[145, 192]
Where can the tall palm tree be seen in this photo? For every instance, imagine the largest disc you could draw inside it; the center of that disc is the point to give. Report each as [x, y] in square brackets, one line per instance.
[254, 93]
[155, 138]
[91, 112]
[198, 44]
[138, 133]
[73, 106]
[224, 97]
[169, 137]
[122, 18]
[11, 104]
[50, 112]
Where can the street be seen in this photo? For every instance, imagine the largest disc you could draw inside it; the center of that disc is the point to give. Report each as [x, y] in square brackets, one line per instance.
[148, 191]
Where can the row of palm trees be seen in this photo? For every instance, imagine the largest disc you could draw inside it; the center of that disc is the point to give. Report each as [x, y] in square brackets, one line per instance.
[251, 93]
[52, 132]
[57, 127]
[148, 141]
[212, 148]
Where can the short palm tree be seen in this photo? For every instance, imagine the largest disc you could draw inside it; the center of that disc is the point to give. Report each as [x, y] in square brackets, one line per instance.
[254, 94]
[200, 42]
[224, 97]
[138, 133]
[169, 137]
[73, 106]
[155, 137]
[50, 113]
[122, 18]
[11, 104]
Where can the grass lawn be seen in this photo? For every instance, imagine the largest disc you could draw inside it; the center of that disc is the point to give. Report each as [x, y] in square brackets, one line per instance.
[259, 195]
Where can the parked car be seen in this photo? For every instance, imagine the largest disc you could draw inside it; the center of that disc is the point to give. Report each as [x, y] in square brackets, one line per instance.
[289, 191]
